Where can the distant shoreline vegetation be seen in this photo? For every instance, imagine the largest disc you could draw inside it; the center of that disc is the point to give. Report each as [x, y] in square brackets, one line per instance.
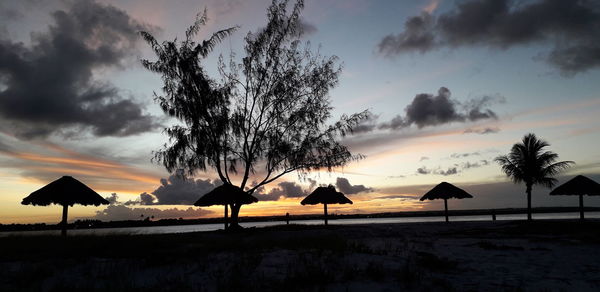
[94, 224]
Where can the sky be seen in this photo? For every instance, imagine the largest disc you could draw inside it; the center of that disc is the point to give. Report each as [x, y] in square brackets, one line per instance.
[451, 85]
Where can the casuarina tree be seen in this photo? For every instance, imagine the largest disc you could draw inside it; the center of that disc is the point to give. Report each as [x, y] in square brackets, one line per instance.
[529, 163]
[262, 117]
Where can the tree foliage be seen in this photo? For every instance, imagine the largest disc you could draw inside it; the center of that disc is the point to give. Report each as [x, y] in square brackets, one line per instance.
[266, 115]
[529, 163]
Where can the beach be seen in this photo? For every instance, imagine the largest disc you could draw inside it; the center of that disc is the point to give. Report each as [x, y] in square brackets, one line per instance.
[543, 255]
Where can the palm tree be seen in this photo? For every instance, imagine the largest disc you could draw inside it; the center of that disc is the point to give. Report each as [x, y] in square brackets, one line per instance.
[528, 162]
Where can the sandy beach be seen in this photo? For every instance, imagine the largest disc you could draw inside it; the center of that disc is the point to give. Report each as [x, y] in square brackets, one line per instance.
[543, 255]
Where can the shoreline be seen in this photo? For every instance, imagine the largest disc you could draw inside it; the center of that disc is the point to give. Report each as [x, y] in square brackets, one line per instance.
[96, 224]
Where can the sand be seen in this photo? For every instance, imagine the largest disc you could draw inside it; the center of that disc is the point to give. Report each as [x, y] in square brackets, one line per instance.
[544, 255]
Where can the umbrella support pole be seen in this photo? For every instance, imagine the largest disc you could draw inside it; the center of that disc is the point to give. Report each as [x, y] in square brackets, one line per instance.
[63, 231]
[446, 209]
[325, 209]
[581, 217]
[225, 219]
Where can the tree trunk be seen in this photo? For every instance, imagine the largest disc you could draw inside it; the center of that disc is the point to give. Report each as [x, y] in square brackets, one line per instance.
[235, 211]
[581, 207]
[446, 209]
[529, 217]
[325, 210]
[63, 231]
[225, 217]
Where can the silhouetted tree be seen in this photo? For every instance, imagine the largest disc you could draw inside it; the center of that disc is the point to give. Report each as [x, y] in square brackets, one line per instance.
[527, 162]
[265, 117]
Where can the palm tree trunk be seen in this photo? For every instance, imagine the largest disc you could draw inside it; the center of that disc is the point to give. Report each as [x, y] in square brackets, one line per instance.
[225, 217]
[63, 231]
[529, 218]
[581, 207]
[325, 210]
[446, 209]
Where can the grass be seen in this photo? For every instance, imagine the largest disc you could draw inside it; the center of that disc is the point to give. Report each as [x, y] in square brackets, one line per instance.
[285, 258]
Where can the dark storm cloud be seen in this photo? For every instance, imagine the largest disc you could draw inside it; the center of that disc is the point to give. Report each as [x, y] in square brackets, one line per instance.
[49, 85]
[178, 190]
[344, 186]
[418, 35]
[282, 190]
[147, 199]
[288, 190]
[572, 28]
[431, 110]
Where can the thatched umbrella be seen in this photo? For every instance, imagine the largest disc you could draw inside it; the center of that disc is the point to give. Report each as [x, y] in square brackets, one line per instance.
[325, 195]
[65, 191]
[445, 191]
[226, 194]
[578, 186]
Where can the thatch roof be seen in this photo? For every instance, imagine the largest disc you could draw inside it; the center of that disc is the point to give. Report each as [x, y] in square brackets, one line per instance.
[65, 191]
[579, 185]
[445, 191]
[325, 195]
[224, 195]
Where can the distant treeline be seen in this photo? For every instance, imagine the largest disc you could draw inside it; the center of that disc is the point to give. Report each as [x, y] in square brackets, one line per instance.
[87, 224]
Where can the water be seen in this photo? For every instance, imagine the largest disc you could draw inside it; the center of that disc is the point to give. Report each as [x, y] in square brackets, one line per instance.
[212, 227]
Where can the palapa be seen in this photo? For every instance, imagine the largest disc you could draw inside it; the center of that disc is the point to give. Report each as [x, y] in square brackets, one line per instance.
[578, 186]
[65, 191]
[325, 195]
[445, 191]
[226, 194]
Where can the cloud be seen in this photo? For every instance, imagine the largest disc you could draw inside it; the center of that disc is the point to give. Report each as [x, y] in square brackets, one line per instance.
[394, 124]
[431, 110]
[112, 199]
[49, 86]
[306, 28]
[366, 125]
[224, 7]
[482, 131]
[418, 35]
[178, 190]
[284, 189]
[449, 171]
[147, 199]
[468, 165]
[122, 212]
[569, 27]
[344, 186]
[462, 155]
[423, 158]
[403, 197]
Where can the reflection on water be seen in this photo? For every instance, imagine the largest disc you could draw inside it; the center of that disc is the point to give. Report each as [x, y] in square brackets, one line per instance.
[212, 227]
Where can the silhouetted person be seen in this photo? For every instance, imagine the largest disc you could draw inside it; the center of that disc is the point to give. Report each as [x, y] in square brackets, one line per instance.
[287, 218]
[493, 214]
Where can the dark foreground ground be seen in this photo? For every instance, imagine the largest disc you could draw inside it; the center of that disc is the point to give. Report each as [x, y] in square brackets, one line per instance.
[463, 256]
